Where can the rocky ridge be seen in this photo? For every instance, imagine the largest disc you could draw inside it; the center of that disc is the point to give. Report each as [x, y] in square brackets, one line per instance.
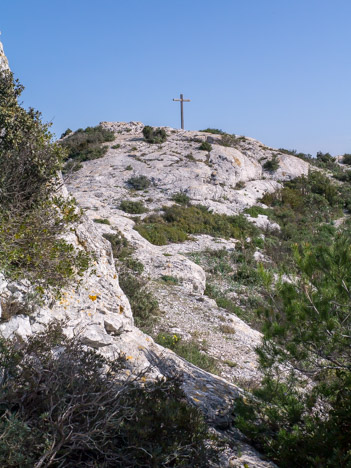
[96, 309]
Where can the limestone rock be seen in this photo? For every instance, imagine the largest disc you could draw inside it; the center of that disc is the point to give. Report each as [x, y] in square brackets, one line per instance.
[4, 64]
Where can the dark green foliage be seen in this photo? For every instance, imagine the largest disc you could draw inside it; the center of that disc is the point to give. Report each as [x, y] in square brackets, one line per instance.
[346, 159]
[189, 350]
[84, 145]
[132, 207]
[29, 161]
[214, 131]
[116, 146]
[181, 197]
[179, 221]
[71, 408]
[307, 329]
[66, 132]
[256, 210]
[240, 185]
[325, 157]
[32, 218]
[120, 246]
[205, 146]
[139, 183]
[159, 233]
[143, 303]
[272, 165]
[169, 279]
[154, 135]
[102, 221]
[305, 209]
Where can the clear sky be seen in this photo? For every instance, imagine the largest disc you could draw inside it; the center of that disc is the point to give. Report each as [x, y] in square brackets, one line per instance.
[275, 70]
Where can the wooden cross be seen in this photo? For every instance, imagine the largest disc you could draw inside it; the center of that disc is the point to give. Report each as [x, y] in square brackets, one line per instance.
[181, 109]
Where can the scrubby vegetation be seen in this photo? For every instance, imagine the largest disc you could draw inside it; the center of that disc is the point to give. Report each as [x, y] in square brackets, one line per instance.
[178, 222]
[72, 408]
[139, 182]
[307, 329]
[181, 198]
[132, 207]
[189, 350]
[205, 146]
[143, 303]
[154, 135]
[272, 164]
[32, 216]
[84, 145]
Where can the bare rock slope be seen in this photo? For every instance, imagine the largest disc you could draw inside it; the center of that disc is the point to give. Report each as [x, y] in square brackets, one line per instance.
[209, 178]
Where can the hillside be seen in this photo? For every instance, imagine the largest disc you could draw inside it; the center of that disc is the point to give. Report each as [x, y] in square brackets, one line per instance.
[145, 278]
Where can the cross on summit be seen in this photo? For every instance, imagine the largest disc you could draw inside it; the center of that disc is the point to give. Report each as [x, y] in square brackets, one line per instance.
[181, 100]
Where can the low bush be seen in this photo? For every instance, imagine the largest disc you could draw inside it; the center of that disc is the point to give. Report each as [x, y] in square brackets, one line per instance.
[120, 246]
[272, 165]
[214, 131]
[346, 159]
[132, 207]
[160, 233]
[72, 408]
[32, 246]
[179, 221]
[169, 279]
[143, 303]
[189, 350]
[255, 210]
[101, 221]
[205, 146]
[181, 197]
[154, 135]
[139, 183]
[85, 145]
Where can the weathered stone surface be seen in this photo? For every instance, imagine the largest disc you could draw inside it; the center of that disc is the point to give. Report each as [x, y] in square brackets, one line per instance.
[4, 64]
[96, 308]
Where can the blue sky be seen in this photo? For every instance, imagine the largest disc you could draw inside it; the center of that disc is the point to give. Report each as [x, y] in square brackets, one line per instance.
[275, 70]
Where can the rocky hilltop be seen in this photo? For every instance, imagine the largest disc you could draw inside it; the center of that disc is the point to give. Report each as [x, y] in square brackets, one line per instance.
[226, 180]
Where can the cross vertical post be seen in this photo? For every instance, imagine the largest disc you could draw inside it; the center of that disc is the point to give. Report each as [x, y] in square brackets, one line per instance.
[181, 100]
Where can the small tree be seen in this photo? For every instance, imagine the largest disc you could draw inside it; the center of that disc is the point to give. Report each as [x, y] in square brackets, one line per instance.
[302, 416]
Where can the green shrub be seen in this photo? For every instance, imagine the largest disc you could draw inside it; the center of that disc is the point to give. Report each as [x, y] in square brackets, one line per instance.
[160, 233]
[66, 132]
[169, 279]
[181, 197]
[72, 408]
[205, 146]
[154, 135]
[306, 331]
[119, 244]
[29, 161]
[101, 221]
[143, 303]
[139, 183]
[214, 131]
[240, 185]
[179, 221]
[132, 207]
[116, 146]
[255, 210]
[32, 218]
[228, 140]
[189, 350]
[272, 165]
[84, 145]
[346, 159]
